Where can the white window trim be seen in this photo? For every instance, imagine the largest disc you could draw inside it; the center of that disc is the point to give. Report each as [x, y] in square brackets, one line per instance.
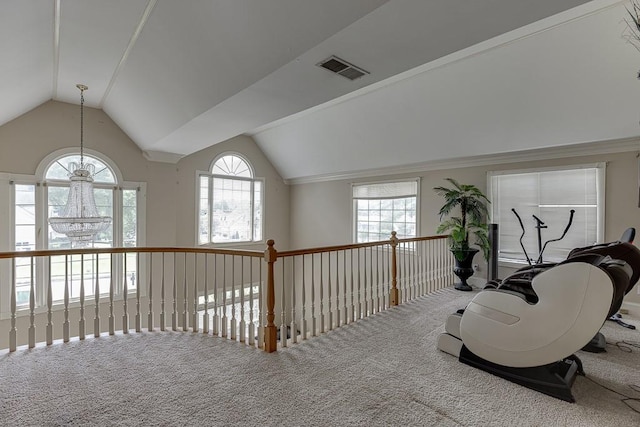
[209, 174]
[354, 219]
[601, 184]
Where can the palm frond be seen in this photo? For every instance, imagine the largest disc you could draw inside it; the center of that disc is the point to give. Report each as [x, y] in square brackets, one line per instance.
[473, 209]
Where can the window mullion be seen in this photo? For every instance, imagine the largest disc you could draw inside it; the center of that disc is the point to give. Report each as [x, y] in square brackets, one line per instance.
[252, 227]
[211, 204]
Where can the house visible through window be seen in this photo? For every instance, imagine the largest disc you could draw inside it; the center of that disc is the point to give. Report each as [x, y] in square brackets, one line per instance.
[229, 202]
[550, 195]
[380, 208]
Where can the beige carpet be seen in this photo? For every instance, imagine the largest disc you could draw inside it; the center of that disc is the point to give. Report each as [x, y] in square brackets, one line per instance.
[384, 370]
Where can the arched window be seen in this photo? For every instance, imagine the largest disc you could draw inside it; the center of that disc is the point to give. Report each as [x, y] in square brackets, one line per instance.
[37, 198]
[229, 202]
[59, 169]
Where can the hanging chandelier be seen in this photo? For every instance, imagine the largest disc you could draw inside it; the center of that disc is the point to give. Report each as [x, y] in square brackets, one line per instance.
[80, 220]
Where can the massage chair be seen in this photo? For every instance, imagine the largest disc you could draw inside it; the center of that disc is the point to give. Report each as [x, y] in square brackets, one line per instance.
[528, 328]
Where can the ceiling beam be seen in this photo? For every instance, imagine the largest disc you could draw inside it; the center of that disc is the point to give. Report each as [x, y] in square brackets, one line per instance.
[56, 47]
[134, 38]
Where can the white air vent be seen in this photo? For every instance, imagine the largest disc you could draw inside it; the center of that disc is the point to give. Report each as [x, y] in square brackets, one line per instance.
[342, 67]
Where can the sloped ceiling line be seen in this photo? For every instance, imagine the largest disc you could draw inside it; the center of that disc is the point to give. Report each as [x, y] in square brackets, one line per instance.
[134, 37]
[56, 47]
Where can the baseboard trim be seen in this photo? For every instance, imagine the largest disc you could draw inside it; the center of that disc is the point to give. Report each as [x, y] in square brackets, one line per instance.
[633, 308]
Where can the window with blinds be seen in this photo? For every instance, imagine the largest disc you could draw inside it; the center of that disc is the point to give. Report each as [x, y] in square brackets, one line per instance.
[550, 195]
[380, 208]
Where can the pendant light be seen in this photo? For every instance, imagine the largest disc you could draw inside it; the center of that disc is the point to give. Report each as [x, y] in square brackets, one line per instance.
[80, 220]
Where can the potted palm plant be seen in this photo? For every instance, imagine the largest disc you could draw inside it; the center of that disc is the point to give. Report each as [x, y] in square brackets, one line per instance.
[472, 221]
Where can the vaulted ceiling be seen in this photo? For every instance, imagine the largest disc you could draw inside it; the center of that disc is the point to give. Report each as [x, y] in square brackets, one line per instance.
[447, 78]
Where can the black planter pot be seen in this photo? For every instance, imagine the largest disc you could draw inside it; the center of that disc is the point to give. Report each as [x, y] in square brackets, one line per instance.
[464, 268]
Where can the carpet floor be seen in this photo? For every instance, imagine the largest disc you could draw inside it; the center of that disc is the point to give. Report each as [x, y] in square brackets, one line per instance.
[384, 370]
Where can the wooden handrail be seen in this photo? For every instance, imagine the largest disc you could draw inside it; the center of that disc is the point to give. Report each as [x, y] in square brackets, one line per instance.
[323, 249]
[136, 249]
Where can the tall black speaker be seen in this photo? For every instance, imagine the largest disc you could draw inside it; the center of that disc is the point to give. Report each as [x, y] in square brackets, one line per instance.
[492, 273]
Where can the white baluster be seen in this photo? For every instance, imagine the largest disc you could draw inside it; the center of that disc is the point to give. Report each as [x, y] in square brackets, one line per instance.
[243, 324]
[205, 317]
[283, 315]
[112, 322]
[262, 314]
[345, 317]
[96, 295]
[313, 296]
[365, 284]
[252, 331]
[163, 322]
[150, 295]
[125, 296]
[81, 322]
[13, 331]
[330, 323]
[215, 296]
[353, 307]
[379, 277]
[321, 293]
[359, 296]
[371, 283]
[234, 321]
[185, 310]
[32, 308]
[432, 265]
[138, 313]
[49, 306]
[337, 324]
[294, 335]
[65, 324]
[224, 296]
[194, 320]
[174, 313]
[303, 325]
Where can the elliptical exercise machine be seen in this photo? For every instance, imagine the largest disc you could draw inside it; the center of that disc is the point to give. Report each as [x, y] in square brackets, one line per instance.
[537, 266]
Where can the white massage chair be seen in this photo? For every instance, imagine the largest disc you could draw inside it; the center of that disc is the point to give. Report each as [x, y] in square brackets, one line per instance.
[527, 329]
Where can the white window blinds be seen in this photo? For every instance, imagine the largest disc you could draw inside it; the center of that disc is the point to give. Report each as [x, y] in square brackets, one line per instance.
[550, 195]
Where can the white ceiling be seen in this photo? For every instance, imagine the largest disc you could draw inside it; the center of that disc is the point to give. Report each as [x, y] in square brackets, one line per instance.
[449, 78]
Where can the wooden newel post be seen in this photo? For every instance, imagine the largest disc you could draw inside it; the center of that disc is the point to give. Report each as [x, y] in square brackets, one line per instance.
[270, 331]
[393, 297]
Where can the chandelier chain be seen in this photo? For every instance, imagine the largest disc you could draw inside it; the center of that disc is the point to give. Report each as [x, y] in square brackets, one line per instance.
[82, 89]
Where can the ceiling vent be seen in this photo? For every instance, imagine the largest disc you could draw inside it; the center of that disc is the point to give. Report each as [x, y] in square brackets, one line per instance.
[342, 67]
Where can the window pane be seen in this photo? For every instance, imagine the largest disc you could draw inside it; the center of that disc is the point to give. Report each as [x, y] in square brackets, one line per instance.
[232, 212]
[203, 209]
[377, 218]
[25, 218]
[232, 166]
[129, 222]
[257, 211]
[59, 170]
[104, 203]
[57, 199]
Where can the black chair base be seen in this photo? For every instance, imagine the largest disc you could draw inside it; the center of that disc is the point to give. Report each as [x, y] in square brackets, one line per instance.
[554, 379]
